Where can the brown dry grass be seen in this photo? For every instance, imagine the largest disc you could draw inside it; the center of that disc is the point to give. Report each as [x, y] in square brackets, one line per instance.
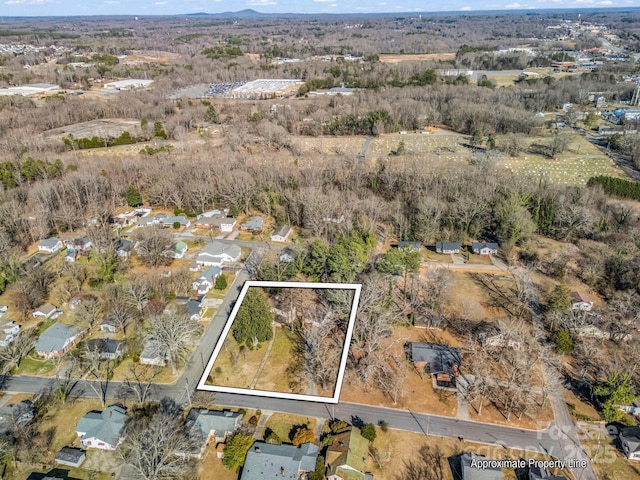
[392, 446]
[393, 58]
[211, 468]
[490, 414]
[283, 423]
[419, 394]
[155, 56]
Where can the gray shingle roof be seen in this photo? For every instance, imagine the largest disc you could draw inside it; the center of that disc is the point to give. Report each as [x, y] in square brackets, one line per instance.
[440, 358]
[282, 231]
[106, 426]
[474, 473]
[265, 461]
[207, 421]
[217, 249]
[104, 345]
[54, 337]
[475, 246]
[254, 223]
[447, 246]
[70, 455]
[49, 242]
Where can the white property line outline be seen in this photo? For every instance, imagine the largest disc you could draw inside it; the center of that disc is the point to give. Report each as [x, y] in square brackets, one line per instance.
[202, 385]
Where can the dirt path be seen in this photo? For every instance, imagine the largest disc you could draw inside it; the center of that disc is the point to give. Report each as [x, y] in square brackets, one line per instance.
[264, 360]
[465, 267]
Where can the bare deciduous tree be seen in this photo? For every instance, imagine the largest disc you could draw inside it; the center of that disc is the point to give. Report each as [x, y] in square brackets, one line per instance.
[174, 333]
[154, 447]
[154, 245]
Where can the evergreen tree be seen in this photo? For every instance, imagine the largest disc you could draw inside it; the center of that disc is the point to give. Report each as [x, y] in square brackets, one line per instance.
[368, 431]
[235, 450]
[134, 199]
[615, 391]
[221, 282]
[254, 318]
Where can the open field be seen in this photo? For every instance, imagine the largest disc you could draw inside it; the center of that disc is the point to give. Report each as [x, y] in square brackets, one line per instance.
[154, 56]
[274, 376]
[106, 127]
[393, 58]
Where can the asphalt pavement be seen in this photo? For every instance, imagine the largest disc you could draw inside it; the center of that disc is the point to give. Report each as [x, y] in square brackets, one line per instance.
[559, 440]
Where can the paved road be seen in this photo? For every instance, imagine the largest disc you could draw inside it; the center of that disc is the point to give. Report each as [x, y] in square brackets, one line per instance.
[561, 445]
[563, 426]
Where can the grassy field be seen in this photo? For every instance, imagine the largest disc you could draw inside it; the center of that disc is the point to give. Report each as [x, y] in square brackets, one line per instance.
[236, 367]
[274, 375]
[283, 425]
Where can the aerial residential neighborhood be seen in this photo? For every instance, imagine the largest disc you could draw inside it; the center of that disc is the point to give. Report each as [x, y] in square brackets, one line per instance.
[321, 241]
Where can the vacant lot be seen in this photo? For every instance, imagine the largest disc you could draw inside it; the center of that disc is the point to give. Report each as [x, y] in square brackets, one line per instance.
[155, 56]
[418, 57]
[106, 127]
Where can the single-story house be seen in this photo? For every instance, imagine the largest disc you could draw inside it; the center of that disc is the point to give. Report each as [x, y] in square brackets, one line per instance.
[108, 348]
[580, 302]
[285, 462]
[537, 472]
[168, 222]
[281, 234]
[153, 354]
[102, 430]
[629, 438]
[409, 245]
[212, 213]
[217, 253]
[212, 424]
[447, 247]
[206, 280]
[80, 244]
[16, 415]
[253, 225]
[150, 221]
[491, 334]
[8, 333]
[58, 339]
[222, 223]
[470, 471]
[440, 361]
[179, 249]
[124, 247]
[286, 255]
[193, 309]
[109, 324]
[347, 456]
[71, 457]
[429, 321]
[47, 311]
[484, 248]
[50, 245]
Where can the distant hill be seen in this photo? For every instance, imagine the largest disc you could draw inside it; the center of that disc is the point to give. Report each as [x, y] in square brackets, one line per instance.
[247, 13]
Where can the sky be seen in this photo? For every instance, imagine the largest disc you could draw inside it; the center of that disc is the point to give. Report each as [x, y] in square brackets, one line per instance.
[172, 7]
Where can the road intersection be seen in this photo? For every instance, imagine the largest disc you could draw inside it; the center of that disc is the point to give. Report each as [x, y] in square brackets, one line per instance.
[558, 440]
